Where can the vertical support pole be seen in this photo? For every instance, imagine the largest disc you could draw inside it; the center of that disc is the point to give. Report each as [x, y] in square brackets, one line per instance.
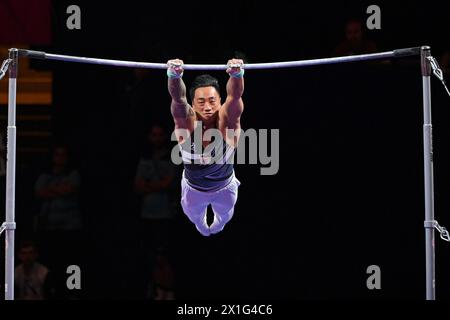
[11, 177]
[428, 172]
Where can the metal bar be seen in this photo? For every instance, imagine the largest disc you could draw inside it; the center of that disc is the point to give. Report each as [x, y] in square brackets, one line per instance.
[11, 177]
[428, 174]
[273, 65]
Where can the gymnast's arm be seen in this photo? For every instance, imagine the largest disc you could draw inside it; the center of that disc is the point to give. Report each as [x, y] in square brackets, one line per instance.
[182, 113]
[230, 113]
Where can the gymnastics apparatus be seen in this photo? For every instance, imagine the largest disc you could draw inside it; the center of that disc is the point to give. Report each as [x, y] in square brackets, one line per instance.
[429, 65]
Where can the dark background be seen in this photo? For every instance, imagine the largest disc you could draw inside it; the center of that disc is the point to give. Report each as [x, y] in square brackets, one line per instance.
[349, 192]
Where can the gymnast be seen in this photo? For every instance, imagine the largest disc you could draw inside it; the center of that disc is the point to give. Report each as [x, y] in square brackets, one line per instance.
[207, 182]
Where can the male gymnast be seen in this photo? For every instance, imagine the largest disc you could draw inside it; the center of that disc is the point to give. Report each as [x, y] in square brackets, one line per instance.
[207, 182]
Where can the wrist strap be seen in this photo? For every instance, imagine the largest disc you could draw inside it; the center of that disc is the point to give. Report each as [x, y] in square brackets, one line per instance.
[173, 75]
[239, 74]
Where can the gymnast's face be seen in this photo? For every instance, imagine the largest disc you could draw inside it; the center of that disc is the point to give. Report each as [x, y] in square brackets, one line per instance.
[206, 103]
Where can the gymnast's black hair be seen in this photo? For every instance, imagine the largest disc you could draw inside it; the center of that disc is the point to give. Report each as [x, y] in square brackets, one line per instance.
[204, 80]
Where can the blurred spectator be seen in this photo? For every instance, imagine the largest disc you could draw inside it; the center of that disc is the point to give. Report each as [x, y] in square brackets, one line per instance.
[58, 190]
[59, 223]
[154, 184]
[355, 41]
[154, 177]
[163, 278]
[32, 279]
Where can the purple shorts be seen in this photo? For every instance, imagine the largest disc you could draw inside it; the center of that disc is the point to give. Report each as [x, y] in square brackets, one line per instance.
[195, 203]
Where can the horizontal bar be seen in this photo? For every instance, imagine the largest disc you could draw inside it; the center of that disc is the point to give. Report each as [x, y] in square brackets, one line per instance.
[251, 66]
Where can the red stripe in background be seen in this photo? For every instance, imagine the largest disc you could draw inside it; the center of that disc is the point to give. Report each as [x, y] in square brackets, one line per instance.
[25, 22]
